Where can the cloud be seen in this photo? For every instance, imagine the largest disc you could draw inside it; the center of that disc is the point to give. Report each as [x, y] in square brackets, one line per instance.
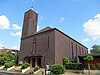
[92, 27]
[97, 16]
[62, 19]
[15, 48]
[4, 22]
[85, 40]
[16, 27]
[16, 33]
[1, 46]
[38, 28]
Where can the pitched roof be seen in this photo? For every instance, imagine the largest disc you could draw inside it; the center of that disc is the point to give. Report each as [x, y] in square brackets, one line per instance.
[44, 29]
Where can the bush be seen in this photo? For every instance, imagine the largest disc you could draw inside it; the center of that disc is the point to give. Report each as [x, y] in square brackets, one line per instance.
[74, 66]
[36, 69]
[1, 65]
[92, 66]
[8, 64]
[2, 60]
[57, 69]
[86, 67]
[65, 60]
[25, 65]
[98, 66]
[89, 58]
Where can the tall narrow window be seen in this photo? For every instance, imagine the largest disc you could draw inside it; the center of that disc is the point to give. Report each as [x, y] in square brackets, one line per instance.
[76, 51]
[34, 46]
[72, 50]
[85, 52]
[48, 41]
[79, 50]
[82, 51]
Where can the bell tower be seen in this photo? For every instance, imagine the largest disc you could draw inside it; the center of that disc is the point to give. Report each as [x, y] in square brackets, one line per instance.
[30, 23]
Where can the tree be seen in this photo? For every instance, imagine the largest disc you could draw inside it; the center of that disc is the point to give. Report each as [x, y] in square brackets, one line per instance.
[95, 49]
[6, 57]
[88, 59]
[65, 60]
[2, 60]
[9, 56]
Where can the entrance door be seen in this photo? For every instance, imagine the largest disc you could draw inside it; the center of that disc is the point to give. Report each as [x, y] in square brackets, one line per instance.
[33, 62]
[39, 62]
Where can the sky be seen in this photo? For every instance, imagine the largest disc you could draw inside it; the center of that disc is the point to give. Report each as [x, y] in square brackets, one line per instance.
[80, 19]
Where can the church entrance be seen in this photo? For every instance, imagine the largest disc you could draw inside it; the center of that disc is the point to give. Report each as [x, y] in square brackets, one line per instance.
[33, 60]
[36, 61]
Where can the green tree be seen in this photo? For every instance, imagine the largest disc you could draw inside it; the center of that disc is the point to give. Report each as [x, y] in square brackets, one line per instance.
[9, 56]
[88, 59]
[6, 57]
[95, 49]
[2, 60]
[65, 60]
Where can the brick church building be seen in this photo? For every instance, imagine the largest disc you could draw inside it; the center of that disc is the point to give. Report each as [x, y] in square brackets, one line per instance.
[48, 45]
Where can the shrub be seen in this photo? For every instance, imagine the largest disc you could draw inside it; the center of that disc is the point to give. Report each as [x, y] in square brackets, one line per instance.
[89, 58]
[65, 60]
[74, 66]
[86, 67]
[8, 64]
[98, 66]
[92, 66]
[2, 60]
[25, 65]
[57, 69]
[36, 69]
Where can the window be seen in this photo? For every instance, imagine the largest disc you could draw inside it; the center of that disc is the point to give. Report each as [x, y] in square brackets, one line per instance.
[76, 51]
[82, 51]
[72, 50]
[34, 46]
[79, 50]
[48, 41]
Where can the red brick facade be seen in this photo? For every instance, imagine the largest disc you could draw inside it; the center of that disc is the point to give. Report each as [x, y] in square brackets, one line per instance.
[50, 45]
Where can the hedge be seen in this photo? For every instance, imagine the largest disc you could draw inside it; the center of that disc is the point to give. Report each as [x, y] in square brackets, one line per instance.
[93, 66]
[98, 66]
[74, 66]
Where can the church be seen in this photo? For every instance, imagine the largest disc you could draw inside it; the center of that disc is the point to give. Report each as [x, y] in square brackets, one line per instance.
[48, 45]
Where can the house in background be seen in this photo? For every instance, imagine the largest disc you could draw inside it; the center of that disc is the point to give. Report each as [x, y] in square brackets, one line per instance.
[48, 45]
[96, 58]
[3, 50]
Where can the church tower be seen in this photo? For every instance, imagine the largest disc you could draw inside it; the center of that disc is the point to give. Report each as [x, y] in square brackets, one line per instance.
[30, 23]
